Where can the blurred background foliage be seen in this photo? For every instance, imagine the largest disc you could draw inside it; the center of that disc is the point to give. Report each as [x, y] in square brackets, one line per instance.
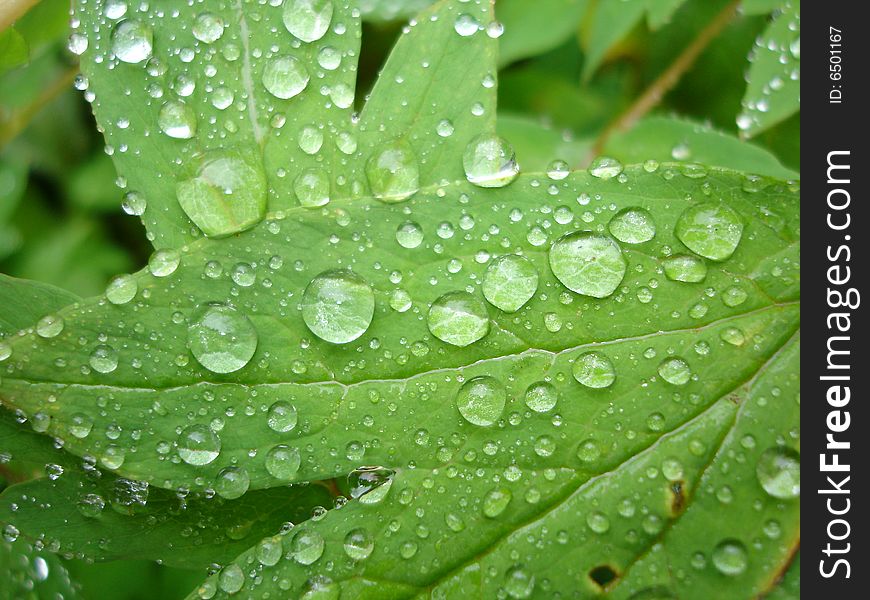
[561, 85]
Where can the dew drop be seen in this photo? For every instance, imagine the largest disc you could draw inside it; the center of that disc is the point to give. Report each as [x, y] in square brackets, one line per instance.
[358, 544]
[285, 77]
[458, 318]
[496, 501]
[509, 282]
[283, 462]
[393, 172]
[466, 25]
[307, 546]
[232, 483]
[282, 416]
[312, 188]
[633, 226]
[177, 120]
[231, 579]
[481, 400]
[338, 306]
[594, 370]
[104, 359]
[409, 235]
[489, 161]
[541, 396]
[308, 20]
[710, 230]
[588, 263]
[729, 557]
[605, 167]
[519, 583]
[208, 28]
[675, 371]
[132, 41]
[779, 473]
[198, 445]
[163, 263]
[49, 326]
[685, 268]
[221, 339]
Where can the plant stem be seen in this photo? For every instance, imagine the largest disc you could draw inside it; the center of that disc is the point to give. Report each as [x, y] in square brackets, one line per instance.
[10, 10]
[666, 81]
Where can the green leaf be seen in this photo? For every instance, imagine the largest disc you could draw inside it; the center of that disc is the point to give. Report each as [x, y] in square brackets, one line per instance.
[789, 587]
[30, 574]
[26, 302]
[670, 138]
[760, 7]
[13, 49]
[457, 531]
[538, 144]
[513, 360]
[614, 19]
[391, 10]
[773, 91]
[532, 28]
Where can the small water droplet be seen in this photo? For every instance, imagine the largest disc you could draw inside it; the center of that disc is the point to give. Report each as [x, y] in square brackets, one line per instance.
[49, 326]
[312, 188]
[675, 371]
[358, 544]
[409, 235]
[104, 359]
[282, 416]
[633, 226]
[685, 268]
[605, 167]
[132, 41]
[307, 546]
[285, 77]
[177, 120]
[496, 501]
[729, 557]
[232, 483]
[541, 396]
[283, 462]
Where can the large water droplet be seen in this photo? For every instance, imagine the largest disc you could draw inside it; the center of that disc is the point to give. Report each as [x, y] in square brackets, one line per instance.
[163, 263]
[231, 579]
[409, 235]
[393, 172]
[338, 306]
[121, 289]
[208, 28]
[370, 484]
[779, 472]
[227, 195]
[496, 501]
[594, 370]
[489, 161]
[633, 226]
[519, 583]
[509, 282]
[605, 167]
[198, 445]
[481, 400]
[710, 229]
[104, 359]
[685, 268]
[588, 263]
[283, 462]
[308, 20]
[312, 188]
[675, 371]
[285, 77]
[729, 557]
[49, 326]
[358, 544]
[221, 339]
[282, 416]
[177, 120]
[458, 318]
[541, 396]
[232, 483]
[132, 41]
[307, 546]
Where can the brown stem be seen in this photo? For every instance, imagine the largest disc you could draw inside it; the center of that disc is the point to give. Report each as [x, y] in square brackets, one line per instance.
[667, 80]
[15, 121]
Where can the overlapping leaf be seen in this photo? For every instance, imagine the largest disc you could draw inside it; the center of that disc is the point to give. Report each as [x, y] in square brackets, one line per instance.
[625, 403]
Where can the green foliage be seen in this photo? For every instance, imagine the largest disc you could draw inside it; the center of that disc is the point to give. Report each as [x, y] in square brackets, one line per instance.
[375, 353]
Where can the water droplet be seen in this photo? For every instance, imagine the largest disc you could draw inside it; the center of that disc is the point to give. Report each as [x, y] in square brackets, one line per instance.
[729, 557]
[675, 371]
[558, 170]
[282, 416]
[132, 41]
[208, 28]
[232, 483]
[444, 128]
[283, 462]
[393, 173]
[489, 161]
[164, 262]
[269, 551]
[307, 546]
[312, 188]
[400, 300]
[633, 226]
[104, 359]
[598, 522]
[594, 370]
[77, 44]
[496, 501]
[358, 544]
[409, 235]
[519, 583]
[177, 120]
[231, 579]
[81, 425]
[458, 318]
[91, 505]
[733, 336]
[338, 306]
[588, 263]
[134, 203]
[685, 268]
[198, 445]
[466, 25]
[49, 326]
[310, 139]
[605, 167]
[370, 484]
[221, 339]
[541, 396]
[308, 20]
[711, 230]
[481, 400]
[509, 282]
[734, 296]
[285, 77]
[227, 195]
[779, 472]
